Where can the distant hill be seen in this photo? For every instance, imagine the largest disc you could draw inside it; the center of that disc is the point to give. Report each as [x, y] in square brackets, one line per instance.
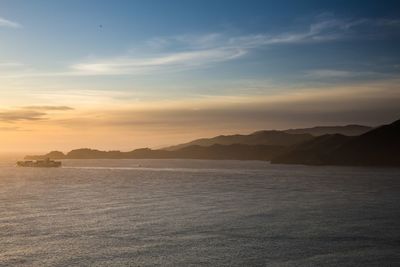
[235, 151]
[378, 147]
[280, 138]
[274, 138]
[317, 151]
[53, 155]
[349, 130]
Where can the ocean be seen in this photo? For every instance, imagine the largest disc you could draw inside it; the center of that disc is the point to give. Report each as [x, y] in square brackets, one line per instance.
[198, 213]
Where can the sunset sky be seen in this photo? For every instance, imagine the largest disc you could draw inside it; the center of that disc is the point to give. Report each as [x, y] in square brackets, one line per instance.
[129, 74]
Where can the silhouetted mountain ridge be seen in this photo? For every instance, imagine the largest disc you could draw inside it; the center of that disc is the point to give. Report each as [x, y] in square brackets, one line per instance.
[315, 152]
[377, 147]
[234, 151]
[275, 138]
[349, 130]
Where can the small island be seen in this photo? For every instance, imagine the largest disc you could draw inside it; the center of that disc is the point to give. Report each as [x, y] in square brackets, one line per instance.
[47, 163]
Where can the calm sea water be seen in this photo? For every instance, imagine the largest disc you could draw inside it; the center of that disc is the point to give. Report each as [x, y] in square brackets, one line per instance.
[198, 213]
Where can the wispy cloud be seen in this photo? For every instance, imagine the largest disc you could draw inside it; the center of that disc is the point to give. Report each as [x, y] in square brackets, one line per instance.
[49, 108]
[8, 23]
[202, 50]
[185, 52]
[10, 65]
[327, 73]
[239, 113]
[21, 115]
[13, 129]
[7, 129]
[30, 113]
[342, 74]
[177, 61]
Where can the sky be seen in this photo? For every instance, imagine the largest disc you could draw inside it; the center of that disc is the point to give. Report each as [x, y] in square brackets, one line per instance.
[130, 74]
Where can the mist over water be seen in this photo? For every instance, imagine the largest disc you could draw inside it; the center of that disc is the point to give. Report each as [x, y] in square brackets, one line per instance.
[198, 212]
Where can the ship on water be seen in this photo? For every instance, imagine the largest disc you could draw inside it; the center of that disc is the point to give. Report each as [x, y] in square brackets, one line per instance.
[47, 163]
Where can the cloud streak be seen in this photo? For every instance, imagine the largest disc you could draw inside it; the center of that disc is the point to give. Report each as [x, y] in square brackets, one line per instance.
[172, 61]
[30, 113]
[368, 104]
[9, 129]
[324, 74]
[186, 52]
[49, 108]
[207, 49]
[21, 115]
[9, 24]
[10, 65]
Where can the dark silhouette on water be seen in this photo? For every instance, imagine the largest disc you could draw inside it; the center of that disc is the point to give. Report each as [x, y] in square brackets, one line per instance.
[47, 163]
